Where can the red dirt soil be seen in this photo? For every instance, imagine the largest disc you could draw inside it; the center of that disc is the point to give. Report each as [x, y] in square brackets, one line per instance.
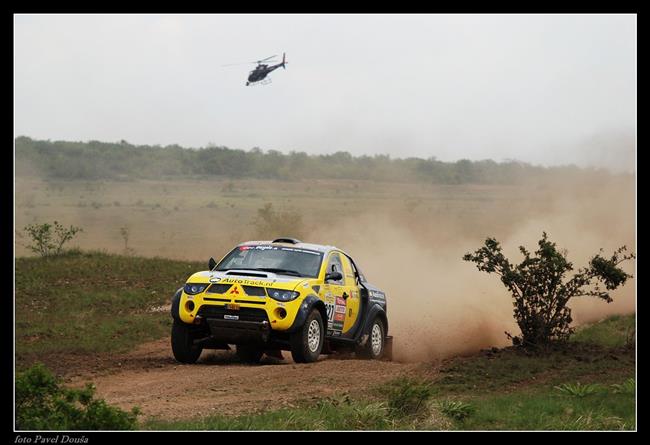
[218, 383]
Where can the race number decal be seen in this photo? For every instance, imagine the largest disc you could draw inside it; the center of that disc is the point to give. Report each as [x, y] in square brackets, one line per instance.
[329, 307]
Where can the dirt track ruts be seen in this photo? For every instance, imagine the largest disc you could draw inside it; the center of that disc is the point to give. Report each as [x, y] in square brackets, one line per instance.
[151, 379]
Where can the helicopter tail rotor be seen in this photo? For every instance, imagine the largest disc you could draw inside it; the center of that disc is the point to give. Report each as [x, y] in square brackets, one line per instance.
[284, 61]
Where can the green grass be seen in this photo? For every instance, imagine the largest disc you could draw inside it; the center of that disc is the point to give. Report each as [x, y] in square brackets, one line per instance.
[542, 409]
[90, 302]
[332, 413]
[615, 331]
[327, 415]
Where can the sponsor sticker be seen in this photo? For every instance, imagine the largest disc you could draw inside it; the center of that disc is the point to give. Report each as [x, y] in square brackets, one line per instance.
[231, 317]
[340, 301]
[339, 316]
[247, 282]
[340, 309]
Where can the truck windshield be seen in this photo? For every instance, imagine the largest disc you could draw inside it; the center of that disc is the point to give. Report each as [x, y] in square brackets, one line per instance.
[278, 259]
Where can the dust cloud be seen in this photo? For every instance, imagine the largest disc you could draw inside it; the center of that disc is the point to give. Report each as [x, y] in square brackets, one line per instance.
[440, 305]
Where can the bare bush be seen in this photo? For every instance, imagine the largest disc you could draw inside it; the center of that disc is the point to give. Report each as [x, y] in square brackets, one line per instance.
[48, 242]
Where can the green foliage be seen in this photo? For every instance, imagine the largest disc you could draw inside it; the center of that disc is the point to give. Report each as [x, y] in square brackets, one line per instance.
[539, 290]
[456, 409]
[270, 223]
[97, 160]
[46, 242]
[42, 403]
[578, 389]
[407, 396]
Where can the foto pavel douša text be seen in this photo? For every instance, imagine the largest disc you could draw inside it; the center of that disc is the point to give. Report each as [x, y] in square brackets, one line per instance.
[57, 438]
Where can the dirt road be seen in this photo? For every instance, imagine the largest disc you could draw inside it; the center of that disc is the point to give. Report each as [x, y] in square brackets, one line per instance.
[150, 378]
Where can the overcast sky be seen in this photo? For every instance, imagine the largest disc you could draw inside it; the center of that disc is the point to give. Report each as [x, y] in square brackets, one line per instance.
[545, 89]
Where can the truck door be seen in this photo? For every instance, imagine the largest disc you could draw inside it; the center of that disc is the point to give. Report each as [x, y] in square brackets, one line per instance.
[332, 295]
[352, 298]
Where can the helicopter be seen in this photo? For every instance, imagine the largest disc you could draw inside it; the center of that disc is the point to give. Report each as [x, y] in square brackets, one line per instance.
[263, 69]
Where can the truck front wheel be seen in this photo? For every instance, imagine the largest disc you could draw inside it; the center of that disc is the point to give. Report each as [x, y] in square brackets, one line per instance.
[183, 343]
[307, 342]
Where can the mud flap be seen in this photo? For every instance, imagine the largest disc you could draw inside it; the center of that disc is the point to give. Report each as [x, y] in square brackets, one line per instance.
[388, 354]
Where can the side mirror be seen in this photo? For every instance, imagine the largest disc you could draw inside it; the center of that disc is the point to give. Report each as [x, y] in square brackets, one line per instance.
[333, 276]
[211, 263]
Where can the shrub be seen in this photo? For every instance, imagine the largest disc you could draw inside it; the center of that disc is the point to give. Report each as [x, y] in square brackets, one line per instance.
[456, 410]
[270, 223]
[43, 404]
[408, 397]
[539, 290]
[578, 390]
[47, 242]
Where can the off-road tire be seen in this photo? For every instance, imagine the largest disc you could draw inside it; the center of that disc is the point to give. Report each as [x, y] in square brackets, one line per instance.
[376, 344]
[182, 346]
[302, 350]
[249, 354]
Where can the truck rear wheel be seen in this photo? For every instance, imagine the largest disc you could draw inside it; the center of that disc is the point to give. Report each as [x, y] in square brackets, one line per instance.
[376, 343]
[183, 343]
[307, 342]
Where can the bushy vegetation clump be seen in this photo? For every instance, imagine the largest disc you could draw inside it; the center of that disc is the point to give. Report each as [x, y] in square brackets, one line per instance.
[540, 290]
[42, 403]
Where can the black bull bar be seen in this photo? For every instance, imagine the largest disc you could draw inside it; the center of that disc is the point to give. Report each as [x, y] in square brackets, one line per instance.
[239, 331]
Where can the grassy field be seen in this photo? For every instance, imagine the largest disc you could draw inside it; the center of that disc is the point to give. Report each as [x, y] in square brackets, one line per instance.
[585, 385]
[90, 302]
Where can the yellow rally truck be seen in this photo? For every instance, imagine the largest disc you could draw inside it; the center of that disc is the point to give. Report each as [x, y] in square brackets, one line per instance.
[269, 296]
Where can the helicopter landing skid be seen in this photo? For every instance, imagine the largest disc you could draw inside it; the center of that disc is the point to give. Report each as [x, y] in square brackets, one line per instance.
[259, 82]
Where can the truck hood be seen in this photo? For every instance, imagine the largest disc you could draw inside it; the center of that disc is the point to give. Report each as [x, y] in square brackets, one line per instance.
[248, 278]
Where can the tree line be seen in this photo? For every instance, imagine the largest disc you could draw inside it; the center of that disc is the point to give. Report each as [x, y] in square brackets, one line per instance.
[115, 160]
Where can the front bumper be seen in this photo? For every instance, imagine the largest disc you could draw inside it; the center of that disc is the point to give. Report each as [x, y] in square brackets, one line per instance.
[239, 331]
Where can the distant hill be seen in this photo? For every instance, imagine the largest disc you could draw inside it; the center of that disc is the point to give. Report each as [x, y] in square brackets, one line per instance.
[108, 160]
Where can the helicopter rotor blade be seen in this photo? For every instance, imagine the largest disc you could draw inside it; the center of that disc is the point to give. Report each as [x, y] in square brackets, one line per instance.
[264, 60]
[256, 61]
[237, 64]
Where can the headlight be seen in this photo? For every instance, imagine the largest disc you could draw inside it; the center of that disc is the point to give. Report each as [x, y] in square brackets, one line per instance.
[194, 288]
[282, 295]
